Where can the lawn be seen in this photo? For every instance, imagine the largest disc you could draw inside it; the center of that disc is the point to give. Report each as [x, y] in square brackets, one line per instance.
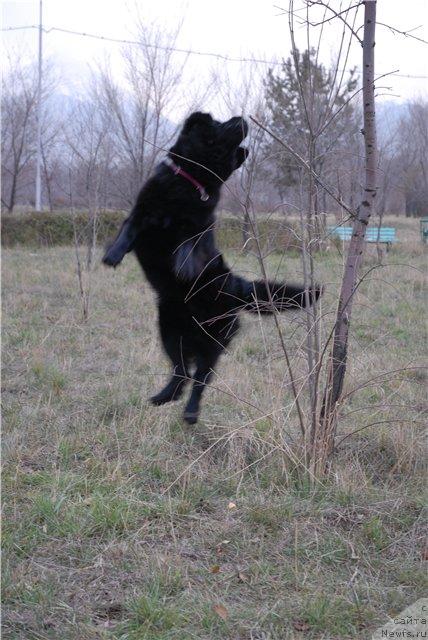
[121, 522]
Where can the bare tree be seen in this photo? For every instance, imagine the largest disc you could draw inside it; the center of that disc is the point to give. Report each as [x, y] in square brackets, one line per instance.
[52, 148]
[413, 157]
[138, 112]
[88, 140]
[18, 104]
[323, 435]
[19, 98]
[319, 432]
[89, 161]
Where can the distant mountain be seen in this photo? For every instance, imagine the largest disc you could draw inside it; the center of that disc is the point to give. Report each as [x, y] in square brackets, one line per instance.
[63, 104]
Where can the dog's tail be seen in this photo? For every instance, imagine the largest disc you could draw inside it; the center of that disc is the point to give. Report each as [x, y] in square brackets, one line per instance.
[264, 297]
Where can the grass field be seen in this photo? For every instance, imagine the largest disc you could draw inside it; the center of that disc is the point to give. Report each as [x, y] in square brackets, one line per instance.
[121, 522]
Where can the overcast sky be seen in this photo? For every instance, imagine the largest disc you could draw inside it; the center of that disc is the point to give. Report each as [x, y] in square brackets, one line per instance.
[238, 28]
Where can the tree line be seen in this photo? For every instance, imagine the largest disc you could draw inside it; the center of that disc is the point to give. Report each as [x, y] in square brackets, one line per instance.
[99, 147]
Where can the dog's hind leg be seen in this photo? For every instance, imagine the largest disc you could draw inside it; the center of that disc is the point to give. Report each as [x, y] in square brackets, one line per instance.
[180, 375]
[175, 349]
[174, 388]
[204, 370]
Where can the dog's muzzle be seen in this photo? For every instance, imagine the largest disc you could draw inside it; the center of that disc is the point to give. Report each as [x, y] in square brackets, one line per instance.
[235, 130]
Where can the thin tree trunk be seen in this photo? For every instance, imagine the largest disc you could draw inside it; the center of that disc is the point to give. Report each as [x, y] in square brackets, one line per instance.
[12, 197]
[323, 436]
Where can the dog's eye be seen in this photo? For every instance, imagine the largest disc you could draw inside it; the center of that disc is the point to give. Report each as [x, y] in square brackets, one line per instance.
[210, 142]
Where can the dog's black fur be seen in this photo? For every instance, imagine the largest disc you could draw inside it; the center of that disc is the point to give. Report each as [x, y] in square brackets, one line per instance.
[170, 229]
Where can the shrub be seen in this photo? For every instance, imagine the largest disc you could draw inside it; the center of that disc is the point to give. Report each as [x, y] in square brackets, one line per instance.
[37, 229]
[44, 229]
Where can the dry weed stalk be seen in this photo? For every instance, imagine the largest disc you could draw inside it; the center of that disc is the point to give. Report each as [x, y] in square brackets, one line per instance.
[85, 263]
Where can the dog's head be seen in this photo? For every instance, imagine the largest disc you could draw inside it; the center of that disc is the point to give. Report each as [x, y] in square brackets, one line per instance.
[207, 148]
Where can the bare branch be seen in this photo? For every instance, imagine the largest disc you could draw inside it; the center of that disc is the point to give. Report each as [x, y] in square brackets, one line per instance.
[304, 164]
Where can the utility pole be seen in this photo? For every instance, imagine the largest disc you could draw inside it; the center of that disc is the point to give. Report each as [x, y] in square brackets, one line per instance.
[39, 119]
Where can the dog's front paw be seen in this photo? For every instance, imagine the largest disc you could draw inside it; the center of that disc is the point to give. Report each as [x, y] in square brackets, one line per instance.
[112, 257]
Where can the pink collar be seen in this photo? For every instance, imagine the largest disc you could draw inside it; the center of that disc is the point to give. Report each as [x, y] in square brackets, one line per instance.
[180, 172]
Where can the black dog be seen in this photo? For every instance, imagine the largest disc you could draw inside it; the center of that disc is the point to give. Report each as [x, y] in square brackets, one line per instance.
[171, 231]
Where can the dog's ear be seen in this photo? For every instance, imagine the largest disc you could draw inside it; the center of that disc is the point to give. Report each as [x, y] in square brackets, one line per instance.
[241, 155]
[196, 118]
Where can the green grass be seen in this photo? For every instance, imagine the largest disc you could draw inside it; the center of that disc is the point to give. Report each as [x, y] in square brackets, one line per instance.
[117, 516]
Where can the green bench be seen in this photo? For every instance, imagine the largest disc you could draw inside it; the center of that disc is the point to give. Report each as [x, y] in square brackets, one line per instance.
[424, 230]
[384, 235]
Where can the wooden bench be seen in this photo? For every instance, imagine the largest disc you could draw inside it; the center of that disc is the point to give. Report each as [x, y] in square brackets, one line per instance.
[383, 235]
